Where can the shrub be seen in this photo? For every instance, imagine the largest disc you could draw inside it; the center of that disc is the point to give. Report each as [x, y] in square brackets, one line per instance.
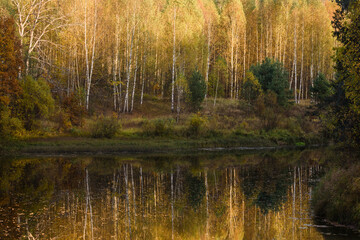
[10, 126]
[158, 127]
[195, 125]
[337, 195]
[281, 135]
[269, 112]
[36, 101]
[74, 110]
[251, 88]
[105, 127]
[62, 120]
[197, 88]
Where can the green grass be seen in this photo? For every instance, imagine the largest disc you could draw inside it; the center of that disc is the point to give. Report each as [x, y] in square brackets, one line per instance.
[152, 127]
[132, 142]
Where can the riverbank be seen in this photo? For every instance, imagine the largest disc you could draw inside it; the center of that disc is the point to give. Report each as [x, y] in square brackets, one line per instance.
[84, 145]
[336, 196]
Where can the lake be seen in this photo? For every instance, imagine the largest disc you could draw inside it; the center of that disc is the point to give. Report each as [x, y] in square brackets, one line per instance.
[209, 195]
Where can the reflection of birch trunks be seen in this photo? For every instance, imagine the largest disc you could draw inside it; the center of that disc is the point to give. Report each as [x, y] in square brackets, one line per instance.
[127, 197]
[207, 205]
[133, 192]
[293, 206]
[88, 207]
[114, 207]
[172, 205]
[141, 192]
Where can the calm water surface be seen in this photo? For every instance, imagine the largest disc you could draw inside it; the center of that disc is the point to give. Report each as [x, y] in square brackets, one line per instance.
[262, 195]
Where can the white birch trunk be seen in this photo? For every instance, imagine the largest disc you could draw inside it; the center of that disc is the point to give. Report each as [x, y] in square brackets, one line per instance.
[174, 61]
[143, 75]
[295, 62]
[89, 66]
[129, 69]
[134, 84]
[208, 58]
[302, 62]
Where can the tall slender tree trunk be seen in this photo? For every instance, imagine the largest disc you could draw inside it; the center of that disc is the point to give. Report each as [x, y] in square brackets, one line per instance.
[295, 61]
[208, 58]
[174, 61]
[143, 74]
[232, 61]
[89, 66]
[312, 60]
[134, 84]
[217, 86]
[129, 68]
[302, 62]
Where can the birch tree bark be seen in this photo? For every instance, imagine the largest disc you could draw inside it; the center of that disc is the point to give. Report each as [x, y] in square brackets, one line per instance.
[129, 68]
[208, 57]
[174, 61]
[89, 66]
[134, 84]
[295, 61]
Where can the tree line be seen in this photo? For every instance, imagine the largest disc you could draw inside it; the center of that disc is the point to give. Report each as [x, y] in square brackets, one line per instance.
[122, 50]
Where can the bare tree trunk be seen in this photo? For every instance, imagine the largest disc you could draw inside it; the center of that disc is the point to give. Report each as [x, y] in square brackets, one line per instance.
[236, 95]
[217, 86]
[178, 108]
[232, 61]
[174, 61]
[116, 64]
[208, 58]
[134, 85]
[244, 73]
[129, 68]
[302, 61]
[312, 60]
[295, 62]
[89, 68]
[143, 75]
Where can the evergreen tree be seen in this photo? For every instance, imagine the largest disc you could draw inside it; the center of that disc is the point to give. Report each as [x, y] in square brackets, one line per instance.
[345, 102]
[272, 77]
[197, 88]
[321, 90]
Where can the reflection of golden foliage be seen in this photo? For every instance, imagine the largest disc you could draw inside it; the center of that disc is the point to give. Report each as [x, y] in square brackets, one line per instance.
[231, 214]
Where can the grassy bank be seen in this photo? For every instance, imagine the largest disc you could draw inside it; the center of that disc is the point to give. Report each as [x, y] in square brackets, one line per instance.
[231, 123]
[337, 196]
[84, 145]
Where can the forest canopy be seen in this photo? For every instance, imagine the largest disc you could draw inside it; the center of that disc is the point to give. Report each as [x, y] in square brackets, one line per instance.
[114, 50]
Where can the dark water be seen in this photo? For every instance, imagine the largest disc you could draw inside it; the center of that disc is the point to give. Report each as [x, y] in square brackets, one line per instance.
[262, 195]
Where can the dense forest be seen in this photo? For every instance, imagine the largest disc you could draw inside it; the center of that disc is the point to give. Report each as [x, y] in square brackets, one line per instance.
[70, 59]
[132, 47]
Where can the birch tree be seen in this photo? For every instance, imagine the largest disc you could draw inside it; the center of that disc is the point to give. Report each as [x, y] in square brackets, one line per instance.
[89, 56]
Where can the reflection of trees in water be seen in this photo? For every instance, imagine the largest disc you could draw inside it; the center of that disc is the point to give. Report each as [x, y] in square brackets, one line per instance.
[267, 184]
[183, 197]
[195, 189]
